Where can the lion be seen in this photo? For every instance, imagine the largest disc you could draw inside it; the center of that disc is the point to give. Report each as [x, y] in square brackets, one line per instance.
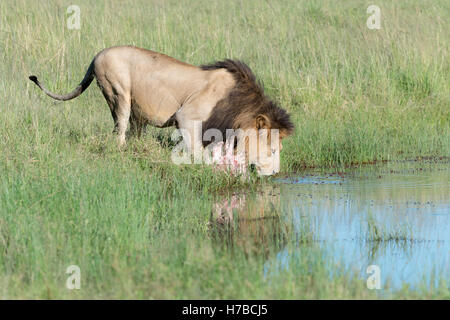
[143, 87]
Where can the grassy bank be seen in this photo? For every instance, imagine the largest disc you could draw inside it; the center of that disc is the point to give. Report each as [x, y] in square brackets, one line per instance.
[139, 226]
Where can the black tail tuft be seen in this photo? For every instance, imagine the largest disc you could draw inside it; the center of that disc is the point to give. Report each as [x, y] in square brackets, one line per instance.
[33, 78]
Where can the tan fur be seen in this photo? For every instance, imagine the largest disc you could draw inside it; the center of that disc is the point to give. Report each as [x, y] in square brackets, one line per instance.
[145, 87]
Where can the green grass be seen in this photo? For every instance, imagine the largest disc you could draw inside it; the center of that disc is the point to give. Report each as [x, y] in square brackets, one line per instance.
[377, 232]
[137, 225]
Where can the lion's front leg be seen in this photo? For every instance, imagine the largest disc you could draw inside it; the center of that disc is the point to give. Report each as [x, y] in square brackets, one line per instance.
[191, 130]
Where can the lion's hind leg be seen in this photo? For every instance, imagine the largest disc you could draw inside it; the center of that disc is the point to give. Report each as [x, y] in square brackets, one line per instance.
[137, 125]
[123, 112]
[119, 103]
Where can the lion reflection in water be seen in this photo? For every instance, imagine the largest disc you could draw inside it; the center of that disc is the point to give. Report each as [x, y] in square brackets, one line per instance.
[252, 222]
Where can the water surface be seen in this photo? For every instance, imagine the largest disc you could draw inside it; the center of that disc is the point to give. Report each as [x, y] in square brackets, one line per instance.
[395, 216]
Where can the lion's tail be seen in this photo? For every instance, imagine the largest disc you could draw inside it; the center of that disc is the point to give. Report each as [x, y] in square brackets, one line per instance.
[75, 93]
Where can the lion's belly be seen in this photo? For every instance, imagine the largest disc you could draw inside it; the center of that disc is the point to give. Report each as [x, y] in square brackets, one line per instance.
[155, 105]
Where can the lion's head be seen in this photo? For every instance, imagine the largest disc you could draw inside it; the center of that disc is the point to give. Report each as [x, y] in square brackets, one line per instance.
[258, 123]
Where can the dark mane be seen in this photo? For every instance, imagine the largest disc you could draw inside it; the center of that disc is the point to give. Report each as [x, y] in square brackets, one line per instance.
[244, 102]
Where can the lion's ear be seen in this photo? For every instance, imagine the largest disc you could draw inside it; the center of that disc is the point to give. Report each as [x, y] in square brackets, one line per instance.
[262, 122]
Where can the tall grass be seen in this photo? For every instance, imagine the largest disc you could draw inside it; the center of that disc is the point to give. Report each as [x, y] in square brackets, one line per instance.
[137, 225]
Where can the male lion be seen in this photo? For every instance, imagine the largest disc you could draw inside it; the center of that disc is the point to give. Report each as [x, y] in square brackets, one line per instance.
[145, 87]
